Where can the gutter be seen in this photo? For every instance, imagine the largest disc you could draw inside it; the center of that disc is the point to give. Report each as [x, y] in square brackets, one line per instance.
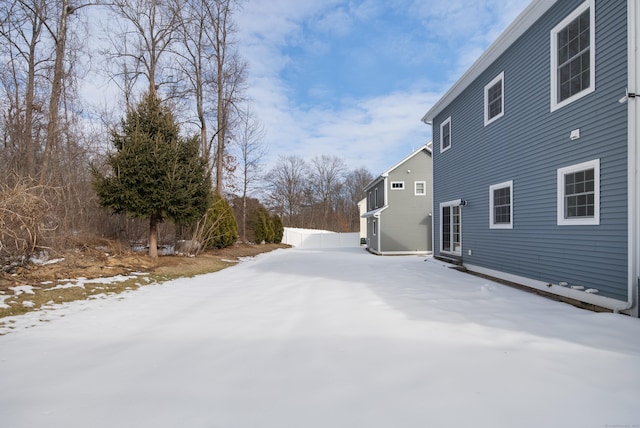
[633, 159]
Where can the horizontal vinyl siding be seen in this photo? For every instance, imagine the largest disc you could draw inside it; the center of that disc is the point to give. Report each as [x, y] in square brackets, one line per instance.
[407, 224]
[373, 239]
[527, 145]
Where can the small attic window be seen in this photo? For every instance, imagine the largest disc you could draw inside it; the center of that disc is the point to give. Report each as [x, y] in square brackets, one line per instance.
[397, 185]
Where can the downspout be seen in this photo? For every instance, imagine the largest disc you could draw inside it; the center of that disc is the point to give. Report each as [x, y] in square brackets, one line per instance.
[433, 192]
[385, 195]
[633, 159]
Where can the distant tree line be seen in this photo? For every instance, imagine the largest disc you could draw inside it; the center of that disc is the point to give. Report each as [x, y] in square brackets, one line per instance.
[321, 193]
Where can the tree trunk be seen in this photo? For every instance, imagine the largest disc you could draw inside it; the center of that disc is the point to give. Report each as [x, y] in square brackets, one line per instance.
[244, 214]
[56, 92]
[29, 101]
[153, 236]
[222, 123]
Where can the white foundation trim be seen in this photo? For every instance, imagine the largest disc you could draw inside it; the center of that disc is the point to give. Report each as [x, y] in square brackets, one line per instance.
[563, 291]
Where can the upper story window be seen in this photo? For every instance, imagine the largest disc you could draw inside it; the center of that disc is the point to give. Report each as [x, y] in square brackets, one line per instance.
[501, 206]
[376, 197]
[573, 56]
[397, 185]
[579, 194]
[445, 134]
[420, 188]
[494, 99]
[370, 202]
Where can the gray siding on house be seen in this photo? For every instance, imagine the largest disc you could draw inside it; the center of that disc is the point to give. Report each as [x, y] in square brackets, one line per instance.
[374, 203]
[402, 219]
[407, 222]
[527, 145]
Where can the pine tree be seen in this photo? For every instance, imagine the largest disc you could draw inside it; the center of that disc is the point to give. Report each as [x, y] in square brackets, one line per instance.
[278, 228]
[261, 227]
[221, 228]
[155, 173]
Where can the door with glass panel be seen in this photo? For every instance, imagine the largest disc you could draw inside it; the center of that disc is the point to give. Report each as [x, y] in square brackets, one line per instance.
[450, 230]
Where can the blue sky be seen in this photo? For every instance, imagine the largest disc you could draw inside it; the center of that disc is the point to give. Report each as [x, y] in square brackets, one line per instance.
[353, 78]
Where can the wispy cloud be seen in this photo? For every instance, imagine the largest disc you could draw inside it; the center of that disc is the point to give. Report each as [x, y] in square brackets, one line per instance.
[365, 71]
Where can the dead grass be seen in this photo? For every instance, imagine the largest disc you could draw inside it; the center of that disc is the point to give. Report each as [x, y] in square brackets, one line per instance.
[76, 276]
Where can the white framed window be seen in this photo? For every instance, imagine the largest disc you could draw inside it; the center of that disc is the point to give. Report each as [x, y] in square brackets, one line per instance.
[501, 205]
[376, 198]
[370, 202]
[445, 135]
[579, 194]
[375, 227]
[573, 54]
[397, 185]
[494, 99]
[420, 188]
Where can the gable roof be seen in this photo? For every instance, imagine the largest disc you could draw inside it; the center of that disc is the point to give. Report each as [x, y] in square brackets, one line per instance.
[517, 28]
[426, 147]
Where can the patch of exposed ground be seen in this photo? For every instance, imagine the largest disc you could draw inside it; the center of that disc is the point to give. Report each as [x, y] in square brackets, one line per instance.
[92, 271]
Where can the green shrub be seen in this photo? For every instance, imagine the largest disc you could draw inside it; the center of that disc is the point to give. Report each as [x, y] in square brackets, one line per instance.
[263, 226]
[221, 229]
[278, 228]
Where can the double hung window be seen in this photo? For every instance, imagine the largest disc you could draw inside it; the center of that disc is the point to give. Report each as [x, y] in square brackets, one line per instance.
[494, 99]
[573, 56]
[501, 206]
[445, 135]
[579, 194]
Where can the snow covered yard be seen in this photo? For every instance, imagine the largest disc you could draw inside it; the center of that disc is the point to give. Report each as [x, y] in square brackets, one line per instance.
[322, 338]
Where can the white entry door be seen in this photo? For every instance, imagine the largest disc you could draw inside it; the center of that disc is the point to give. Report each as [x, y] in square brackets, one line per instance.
[450, 227]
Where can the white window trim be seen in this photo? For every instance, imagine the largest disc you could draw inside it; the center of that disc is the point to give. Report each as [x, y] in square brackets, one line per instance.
[376, 197]
[374, 227]
[492, 224]
[555, 105]
[498, 78]
[458, 203]
[397, 188]
[415, 188]
[442, 125]
[591, 221]
[370, 200]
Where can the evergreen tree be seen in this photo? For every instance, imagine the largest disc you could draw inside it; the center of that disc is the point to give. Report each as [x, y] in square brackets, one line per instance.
[221, 227]
[155, 173]
[278, 228]
[263, 228]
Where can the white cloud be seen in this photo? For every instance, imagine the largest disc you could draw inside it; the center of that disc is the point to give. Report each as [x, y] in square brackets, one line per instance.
[466, 27]
[373, 131]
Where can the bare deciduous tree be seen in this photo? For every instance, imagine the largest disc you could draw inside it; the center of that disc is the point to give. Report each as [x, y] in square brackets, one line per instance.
[195, 60]
[354, 185]
[230, 77]
[327, 175]
[286, 181]
[151, 26]
[59, 37]
[251, 148]
[25, 57]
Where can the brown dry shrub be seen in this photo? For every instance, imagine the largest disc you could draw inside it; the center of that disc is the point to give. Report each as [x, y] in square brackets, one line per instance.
[23, 214]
